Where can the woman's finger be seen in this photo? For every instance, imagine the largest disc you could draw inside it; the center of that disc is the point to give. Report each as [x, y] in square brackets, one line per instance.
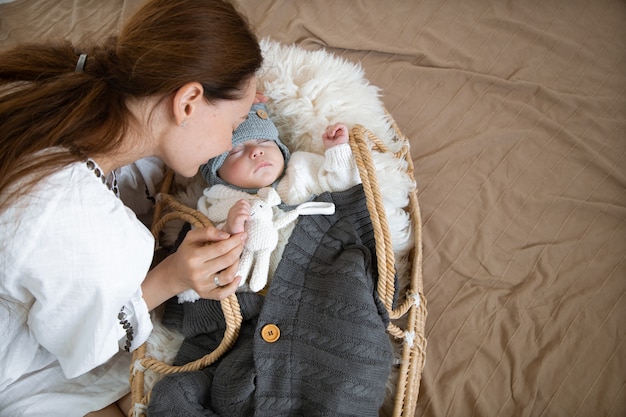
[206, 234]
[213, 258]
[220, 293]
[224, 283]
[228, 275]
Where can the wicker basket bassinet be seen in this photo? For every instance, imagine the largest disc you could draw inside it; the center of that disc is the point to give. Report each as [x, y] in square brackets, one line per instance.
[408, 318]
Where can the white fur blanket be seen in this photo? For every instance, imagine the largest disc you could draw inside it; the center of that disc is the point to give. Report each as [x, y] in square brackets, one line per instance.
[307, 91]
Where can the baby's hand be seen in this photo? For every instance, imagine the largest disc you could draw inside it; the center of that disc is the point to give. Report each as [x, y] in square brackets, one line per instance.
[260, 98]
[238, 215]
[335, 135]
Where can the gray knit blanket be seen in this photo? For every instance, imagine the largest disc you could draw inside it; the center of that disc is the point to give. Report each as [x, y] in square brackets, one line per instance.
[333, 355]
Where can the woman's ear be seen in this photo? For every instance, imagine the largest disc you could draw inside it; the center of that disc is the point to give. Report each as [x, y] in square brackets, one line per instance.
[186, 101]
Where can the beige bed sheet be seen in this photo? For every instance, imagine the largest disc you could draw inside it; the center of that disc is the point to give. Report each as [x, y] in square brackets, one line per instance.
[516, 112]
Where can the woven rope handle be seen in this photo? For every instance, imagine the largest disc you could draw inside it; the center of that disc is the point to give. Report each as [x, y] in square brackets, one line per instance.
[413, 308]
[230, 308]
[374, 201]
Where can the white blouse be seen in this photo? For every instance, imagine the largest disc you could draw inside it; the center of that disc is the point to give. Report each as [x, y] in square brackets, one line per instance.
[72, 255]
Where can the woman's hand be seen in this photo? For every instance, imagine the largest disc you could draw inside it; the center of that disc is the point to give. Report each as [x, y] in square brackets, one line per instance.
[203, 256]
[206, 257]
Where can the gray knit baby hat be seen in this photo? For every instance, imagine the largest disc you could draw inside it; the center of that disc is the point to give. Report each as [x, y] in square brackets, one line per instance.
[258, 125]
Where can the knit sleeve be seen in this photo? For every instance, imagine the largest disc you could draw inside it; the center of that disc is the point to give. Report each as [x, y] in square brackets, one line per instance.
[339, 171]
[309, 174]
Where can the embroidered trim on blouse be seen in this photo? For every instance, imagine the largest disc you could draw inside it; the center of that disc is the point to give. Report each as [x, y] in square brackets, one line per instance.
[127, 327]
[110, 181]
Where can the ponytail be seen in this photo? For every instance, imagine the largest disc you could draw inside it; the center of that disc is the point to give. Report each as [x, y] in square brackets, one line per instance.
[47, 103]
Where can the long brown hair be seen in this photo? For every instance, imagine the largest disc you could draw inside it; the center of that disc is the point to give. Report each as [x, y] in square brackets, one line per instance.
[46, 104]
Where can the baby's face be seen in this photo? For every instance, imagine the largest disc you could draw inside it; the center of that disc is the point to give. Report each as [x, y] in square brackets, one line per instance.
[253, 164]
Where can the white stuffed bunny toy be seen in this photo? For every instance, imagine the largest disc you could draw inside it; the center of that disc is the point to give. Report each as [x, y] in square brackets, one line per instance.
[262, 229]
[262, 239]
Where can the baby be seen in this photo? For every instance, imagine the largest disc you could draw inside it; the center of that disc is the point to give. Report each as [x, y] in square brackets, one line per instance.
[257, 175]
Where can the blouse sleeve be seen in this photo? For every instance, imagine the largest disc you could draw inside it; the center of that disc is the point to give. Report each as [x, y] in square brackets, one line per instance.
[90, 260]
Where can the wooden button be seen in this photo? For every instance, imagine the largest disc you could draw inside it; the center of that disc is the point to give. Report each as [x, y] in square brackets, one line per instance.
[270, 333]
[261, 113]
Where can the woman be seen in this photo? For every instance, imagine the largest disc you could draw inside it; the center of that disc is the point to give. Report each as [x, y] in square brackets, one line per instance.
[75, 285]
